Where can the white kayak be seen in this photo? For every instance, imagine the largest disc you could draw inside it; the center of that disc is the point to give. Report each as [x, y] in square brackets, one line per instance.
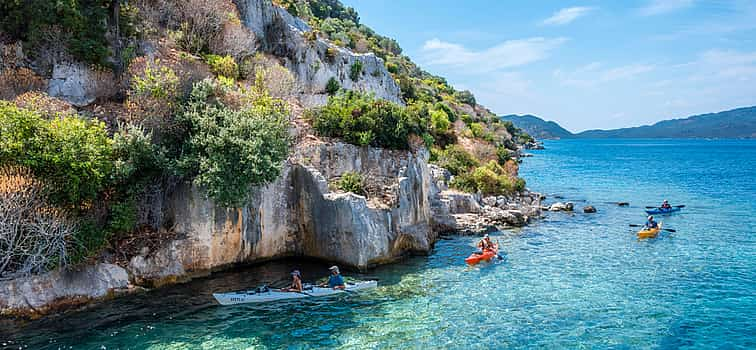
[266, 294]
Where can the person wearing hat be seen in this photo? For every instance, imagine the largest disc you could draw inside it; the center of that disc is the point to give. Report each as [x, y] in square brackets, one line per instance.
[296, 282]
[335, 280]
[665, 205]
[651, 223]
[485, 243]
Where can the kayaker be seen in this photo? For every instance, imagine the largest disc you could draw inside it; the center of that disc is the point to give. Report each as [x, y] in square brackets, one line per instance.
[485, 243]
[665, 205]
[296, 283]
[335, 280]
[651, 223]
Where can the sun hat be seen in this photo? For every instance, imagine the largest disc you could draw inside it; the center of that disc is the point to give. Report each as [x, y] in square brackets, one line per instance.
[334, 268]
[296, 273]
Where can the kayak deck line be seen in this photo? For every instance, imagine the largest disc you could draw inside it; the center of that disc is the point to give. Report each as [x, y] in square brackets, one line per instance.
[269, 295]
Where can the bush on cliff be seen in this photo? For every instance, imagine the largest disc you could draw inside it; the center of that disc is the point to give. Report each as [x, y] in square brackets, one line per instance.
[79, 26]
[352, 182]
[489, 179]
[352, 115]
[237, 139]
[71, 154]
[455, 159]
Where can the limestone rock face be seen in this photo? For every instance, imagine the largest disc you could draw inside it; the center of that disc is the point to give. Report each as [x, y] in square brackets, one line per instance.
[36, 294]
[297, 215]
[314, 61]
[75, 83]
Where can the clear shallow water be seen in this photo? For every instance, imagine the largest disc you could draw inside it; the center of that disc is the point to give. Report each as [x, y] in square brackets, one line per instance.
[568, 281]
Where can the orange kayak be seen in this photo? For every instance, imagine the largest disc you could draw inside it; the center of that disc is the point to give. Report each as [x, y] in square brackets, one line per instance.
[487, 255]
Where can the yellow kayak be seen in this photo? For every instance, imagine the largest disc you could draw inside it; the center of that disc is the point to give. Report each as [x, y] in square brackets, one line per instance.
[649, 233]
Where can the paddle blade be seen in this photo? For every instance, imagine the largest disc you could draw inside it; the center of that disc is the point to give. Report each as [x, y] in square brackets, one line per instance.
[635, 225]
[669, 230]
[652, 207]
[680, 206]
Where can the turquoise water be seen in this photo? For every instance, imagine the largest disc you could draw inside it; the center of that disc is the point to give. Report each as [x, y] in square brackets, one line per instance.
[568, 281]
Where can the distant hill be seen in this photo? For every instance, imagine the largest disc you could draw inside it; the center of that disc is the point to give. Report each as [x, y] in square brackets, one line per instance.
[736, 123]
[537, 127]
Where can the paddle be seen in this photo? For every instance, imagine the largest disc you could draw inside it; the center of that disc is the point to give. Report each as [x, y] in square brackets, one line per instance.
[498, 246]
[665, 229]
[674, 206]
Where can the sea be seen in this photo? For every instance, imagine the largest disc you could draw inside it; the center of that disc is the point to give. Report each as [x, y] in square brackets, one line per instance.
[566, 281]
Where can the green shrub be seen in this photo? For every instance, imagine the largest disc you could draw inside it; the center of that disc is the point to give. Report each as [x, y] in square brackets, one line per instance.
[122, 216]
[456, 159]
[476, 129]
[489, 179]
[392, 68]
[439, 122]
[223, 66]
[156, 81]
[138, 160]
[72, 155]
[229, 150]
[449, 112]
[349, 115]
[78, 25]
[355, 70]
[467, 119]
[503, 155]
[465, 97]
[351, 182]
[333, 86]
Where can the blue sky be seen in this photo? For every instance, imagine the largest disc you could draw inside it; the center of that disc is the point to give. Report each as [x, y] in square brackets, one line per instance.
[584, 64]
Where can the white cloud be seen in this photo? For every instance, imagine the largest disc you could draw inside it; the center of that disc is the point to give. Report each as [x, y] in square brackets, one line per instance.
[658, 7]
[726, 64]
[510, 53]
[594, 74]
[566, 15]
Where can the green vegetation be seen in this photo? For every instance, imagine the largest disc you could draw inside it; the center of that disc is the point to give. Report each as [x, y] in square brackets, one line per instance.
[224, 66]
[69, 153]
[231, 150]
[79, 25]
[355, 70]
[489, 179]
[352, 182]
[362, 119]
[333, 86]
[455, 159]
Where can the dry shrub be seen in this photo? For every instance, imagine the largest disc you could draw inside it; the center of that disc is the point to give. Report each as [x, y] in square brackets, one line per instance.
[42, 103]
[278, 80]
[154, 93]
[104, 84]
[201, 22]
[482, 150]
[235, 40]
[33, 235]
[14, 82]
[512, 168]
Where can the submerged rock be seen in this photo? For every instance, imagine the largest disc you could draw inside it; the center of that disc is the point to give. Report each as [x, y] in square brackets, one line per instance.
[589, 209]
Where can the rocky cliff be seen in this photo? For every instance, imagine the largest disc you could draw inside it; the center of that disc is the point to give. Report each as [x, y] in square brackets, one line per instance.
[313, 60]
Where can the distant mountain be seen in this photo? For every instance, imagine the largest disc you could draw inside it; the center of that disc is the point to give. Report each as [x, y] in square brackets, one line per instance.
[537, 127]
[736, 123]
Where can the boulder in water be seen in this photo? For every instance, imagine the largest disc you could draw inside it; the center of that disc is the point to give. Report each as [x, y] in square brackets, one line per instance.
[589, 209]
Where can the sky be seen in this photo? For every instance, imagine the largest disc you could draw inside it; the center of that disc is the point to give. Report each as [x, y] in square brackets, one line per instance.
[583, 64]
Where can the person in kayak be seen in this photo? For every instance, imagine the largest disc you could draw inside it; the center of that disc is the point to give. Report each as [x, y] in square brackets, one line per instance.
[485, 244]
[665, 205]
[296, 283]
[650, 224]
[335, 280]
